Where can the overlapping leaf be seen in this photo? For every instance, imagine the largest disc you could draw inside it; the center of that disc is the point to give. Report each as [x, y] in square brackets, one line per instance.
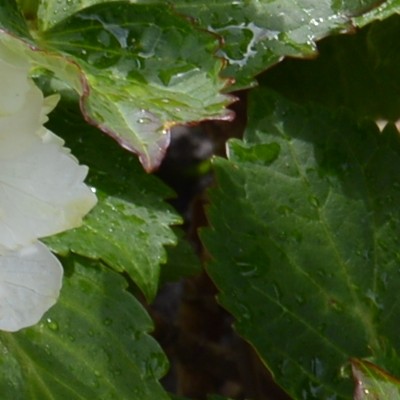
[258, 34]
[372, 383]
[384, 10]
[304, 243]
[369, 88]
[135, 69]
[131, 222]
[182, 261]
[51, 12]
[93, 344]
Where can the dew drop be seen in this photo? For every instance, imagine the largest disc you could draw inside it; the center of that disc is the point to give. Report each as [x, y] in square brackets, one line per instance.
[317, 367]
[47, 349]
[52, 325]
[143, 120]
[244, 312]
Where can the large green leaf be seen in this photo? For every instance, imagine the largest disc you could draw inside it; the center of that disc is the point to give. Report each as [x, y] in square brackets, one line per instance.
[142, 72]
[372, 383]
[370, 87]
[135, 69]
[304, 241]
[182, 260]
[258, 34]
[131, 222]
[93, 344]
[12, 21]
[51, 12]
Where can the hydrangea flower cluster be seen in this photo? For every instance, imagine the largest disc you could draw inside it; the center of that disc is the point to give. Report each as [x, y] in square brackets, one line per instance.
[42, 192]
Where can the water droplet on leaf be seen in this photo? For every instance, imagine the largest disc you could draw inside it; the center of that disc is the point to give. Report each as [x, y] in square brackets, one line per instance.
[52, 325]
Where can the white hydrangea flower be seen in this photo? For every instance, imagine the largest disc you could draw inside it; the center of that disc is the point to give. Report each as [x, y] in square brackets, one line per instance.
[41, 193]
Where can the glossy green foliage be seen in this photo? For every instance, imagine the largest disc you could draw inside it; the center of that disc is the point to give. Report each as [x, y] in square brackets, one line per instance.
[130, 225]
[182, 260]
[372, 383]
[358, 72]
[304, 217]
[142, 73]
[309, 202]
[258, 34]
[51, 12]
[134, 68]
[93, 344]
[383, 10]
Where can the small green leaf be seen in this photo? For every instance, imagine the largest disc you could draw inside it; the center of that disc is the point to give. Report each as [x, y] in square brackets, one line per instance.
[93, 344]
[131, 223]
[372, 383]
[304, 245]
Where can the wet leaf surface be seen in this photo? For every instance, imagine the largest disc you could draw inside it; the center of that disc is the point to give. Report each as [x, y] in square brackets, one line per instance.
[93, 344]
[130, 225]
[258, 34]
[304, 240]
[135, 69]
[143, 75]
[370, 88]
[384, 10]
[372, 383]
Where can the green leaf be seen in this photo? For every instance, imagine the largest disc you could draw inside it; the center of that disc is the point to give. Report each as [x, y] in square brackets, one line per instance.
[93, 344]
[384, 10]
[304, 243]
[52, 12]
[257, 34]
[135, 69]
[369, 88]
[182, 261]
[142, 74]
[372, 383]
[12, 21]
[131, 223]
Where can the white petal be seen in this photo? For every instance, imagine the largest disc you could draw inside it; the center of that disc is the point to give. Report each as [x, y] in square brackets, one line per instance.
[41, 184]
[18, 130]
[30, 282]
[14, 83]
